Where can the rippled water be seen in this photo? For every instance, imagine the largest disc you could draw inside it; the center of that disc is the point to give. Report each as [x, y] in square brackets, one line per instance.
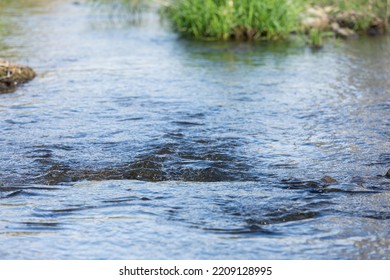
[135, 144]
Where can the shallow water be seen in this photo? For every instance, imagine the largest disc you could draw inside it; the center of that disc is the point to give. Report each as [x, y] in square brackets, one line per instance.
[135, 144]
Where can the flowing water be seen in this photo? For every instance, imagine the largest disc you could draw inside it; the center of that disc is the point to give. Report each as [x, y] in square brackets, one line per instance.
[135, 144]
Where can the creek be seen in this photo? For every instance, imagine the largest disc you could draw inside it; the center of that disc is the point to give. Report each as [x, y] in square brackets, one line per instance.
[132, 143]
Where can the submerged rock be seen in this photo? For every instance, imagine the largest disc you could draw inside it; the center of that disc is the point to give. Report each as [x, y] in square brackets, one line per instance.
[329, 180]
[12, 75]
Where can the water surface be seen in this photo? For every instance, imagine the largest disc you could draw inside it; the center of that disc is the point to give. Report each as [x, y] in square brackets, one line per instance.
[135, 144]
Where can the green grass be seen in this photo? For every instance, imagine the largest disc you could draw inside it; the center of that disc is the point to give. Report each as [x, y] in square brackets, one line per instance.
[262, 19]
[239, 19]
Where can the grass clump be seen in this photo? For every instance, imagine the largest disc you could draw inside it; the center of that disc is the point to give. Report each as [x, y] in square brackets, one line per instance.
[238, 19]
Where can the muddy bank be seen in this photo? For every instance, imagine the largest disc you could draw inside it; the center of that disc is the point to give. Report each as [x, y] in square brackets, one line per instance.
[11, 75]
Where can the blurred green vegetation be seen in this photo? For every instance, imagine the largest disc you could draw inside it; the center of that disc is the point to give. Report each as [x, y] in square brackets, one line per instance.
[240, 19]
[266, 19]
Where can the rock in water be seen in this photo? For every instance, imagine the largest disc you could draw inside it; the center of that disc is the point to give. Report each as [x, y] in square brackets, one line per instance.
[329, 180]
[12, 75]
[388, 173]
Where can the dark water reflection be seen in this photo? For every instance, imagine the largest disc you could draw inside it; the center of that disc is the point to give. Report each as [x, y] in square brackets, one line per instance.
[133, 143]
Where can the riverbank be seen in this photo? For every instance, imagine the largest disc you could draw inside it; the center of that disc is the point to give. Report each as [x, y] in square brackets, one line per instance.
[11, 75]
